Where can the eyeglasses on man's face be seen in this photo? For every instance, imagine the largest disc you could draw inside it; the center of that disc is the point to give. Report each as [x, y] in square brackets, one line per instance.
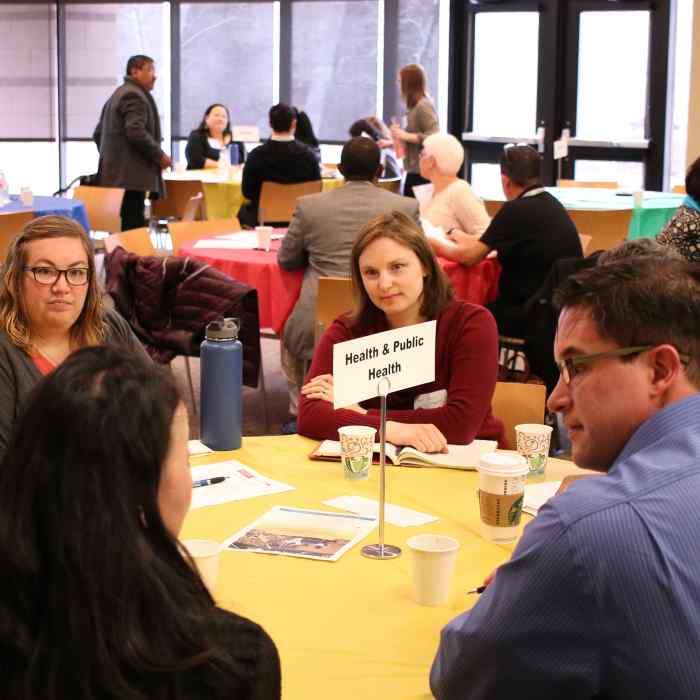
[75, 276]
[571, 366]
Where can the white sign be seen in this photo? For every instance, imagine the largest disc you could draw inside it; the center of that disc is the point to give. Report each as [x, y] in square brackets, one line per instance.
[247, 134]
[395, 360]
[561, 149]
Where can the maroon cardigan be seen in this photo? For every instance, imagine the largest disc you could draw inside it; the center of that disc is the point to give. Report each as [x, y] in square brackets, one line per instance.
[168, 303]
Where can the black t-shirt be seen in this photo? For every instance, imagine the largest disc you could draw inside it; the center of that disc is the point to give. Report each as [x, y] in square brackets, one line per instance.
[529, 233]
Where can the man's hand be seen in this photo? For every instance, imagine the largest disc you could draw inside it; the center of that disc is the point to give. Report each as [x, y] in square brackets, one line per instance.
[467, 249]
[165, 161]
[423, 436]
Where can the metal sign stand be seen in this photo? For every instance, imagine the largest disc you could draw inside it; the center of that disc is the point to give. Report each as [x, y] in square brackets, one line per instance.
[381, 550]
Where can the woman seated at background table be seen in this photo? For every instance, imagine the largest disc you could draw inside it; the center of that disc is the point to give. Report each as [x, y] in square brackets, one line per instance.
[398, 282]
[453, 204]
[206, 142]
[305, 133]
[100, 601]
[379, 132]
[683, 230]
[50, 305]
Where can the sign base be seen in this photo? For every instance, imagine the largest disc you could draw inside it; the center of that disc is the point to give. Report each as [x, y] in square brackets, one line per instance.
[381, 551]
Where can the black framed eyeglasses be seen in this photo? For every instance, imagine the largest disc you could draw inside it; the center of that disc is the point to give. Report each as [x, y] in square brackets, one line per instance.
[569, 367]
[75, 276]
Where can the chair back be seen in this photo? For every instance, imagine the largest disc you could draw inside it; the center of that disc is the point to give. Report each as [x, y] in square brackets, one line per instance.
[135, 240]
[10, 225]
[178, 194]
[493, 206]
[103, 206]
[585, 242]
[182, 231]
[607, 229]
[334, 298]
[515, 403]
[596, 184]
[277, 200]
[393, 184]
[193, 208]
[679, 189]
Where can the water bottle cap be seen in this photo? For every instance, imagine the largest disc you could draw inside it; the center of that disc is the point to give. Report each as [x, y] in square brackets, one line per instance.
[223, 329]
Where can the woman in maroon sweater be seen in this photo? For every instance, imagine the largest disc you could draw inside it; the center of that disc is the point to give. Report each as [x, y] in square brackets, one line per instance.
[398, 282]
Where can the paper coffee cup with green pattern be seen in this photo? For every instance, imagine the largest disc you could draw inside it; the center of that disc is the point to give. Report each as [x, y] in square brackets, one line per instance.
[356, 449]
[533, 443]
[502, 477]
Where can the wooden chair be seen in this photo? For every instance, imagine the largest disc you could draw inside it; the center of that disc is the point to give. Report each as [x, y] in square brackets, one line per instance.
[103, 206]
[585, 242]
[493, 206]
[10, 225]
[181, 231]
[678, 189]
[136, 240]
[516, 403]
[178, 194]
[277, 200]
[601, 184]
[334, 297]
[607, 229]
[393, 184]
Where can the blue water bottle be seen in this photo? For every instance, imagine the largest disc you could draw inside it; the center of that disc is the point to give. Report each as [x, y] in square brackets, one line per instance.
[221, 372]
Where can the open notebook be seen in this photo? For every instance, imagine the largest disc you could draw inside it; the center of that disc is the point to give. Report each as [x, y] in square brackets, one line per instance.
[457, 457]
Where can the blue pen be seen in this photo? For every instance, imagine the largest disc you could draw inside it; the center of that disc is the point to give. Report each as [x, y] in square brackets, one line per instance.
[207, 482]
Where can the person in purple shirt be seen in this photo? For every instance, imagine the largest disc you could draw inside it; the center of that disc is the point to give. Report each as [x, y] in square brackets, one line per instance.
[601, 598]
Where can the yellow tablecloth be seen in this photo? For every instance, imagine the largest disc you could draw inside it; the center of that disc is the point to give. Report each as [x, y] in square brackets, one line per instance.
[348, 629]
[223, 197]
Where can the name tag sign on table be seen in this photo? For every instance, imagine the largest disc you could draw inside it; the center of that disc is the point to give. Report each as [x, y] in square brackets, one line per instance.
[405, 357]
[247, 134]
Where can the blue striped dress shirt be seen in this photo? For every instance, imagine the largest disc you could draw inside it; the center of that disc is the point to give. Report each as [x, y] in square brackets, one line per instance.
[601, 598]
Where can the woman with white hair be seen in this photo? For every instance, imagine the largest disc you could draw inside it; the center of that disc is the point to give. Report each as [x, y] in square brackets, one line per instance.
[453, 205]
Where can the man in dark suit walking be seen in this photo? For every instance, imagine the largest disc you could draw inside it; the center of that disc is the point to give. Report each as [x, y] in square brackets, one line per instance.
[128, 138]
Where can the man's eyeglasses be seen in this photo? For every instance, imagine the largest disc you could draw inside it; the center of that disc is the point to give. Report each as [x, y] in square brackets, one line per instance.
[75, 276]
[569, 367]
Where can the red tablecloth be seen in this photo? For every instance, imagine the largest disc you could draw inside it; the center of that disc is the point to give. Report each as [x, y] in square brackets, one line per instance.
[278, 290]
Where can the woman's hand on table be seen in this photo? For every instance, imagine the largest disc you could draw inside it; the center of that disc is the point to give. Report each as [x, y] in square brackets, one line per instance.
[321, 387]
[423, 436]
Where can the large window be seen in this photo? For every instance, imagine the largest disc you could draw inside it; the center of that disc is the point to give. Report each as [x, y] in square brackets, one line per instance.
[226, 55]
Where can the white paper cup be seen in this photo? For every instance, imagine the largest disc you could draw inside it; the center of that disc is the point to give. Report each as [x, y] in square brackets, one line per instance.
[26, 197]
[533, 443]
[502, 477]
[206, 556]
[264, 234]
[432, 565]
[356, 450]
[638, 198]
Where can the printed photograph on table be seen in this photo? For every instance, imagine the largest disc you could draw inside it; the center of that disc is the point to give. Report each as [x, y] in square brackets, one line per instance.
[303, 533]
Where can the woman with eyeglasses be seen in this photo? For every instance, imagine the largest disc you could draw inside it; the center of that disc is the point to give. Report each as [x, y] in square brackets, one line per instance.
[50, 305]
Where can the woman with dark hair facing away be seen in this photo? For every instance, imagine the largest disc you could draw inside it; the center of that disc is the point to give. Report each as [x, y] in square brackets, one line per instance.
[305, 133]
[683, 230]
[378, 131]
[212, 136]
[421, 121]
[97, 597]
[50, 305]
[397, 282]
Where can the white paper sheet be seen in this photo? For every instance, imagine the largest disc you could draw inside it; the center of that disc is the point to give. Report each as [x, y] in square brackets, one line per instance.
[239, 241]
[243, 482]
[195, 447]
[396, 515]
[537, 494]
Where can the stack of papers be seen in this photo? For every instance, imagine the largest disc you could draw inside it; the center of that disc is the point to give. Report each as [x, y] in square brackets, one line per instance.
[536, 495]
[396, 515]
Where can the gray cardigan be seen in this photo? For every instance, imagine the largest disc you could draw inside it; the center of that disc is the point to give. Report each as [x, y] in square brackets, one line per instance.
[422, 120]
[19, 375]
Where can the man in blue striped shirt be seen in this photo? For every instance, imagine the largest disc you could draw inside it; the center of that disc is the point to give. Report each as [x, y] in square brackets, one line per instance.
[601, 598]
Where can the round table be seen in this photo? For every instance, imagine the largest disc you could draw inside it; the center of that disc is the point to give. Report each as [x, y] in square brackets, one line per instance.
[42, 206]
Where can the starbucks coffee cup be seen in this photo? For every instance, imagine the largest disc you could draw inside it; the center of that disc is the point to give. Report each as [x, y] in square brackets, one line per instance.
[502, 477]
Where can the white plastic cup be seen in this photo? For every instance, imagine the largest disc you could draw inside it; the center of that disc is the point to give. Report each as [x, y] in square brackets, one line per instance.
[26, 197]
[180, 167]
[356, 450]
[205, 554]
[502, 477]
[432, 566]
[533, 443]
[264, 234]
[638, 198]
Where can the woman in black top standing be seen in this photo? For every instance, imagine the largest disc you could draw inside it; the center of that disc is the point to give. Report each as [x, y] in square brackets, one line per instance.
[97, 597]
[206, 142]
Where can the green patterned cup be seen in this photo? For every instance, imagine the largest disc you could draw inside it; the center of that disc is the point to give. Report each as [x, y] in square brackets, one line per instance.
[356, 449]
[533, 444]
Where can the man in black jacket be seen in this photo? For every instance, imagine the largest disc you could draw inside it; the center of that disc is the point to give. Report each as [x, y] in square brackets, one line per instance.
[128, 138]
[281, 159]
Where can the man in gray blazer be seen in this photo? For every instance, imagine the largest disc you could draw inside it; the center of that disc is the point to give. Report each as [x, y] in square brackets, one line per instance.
[320, 238]
[128, 139]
